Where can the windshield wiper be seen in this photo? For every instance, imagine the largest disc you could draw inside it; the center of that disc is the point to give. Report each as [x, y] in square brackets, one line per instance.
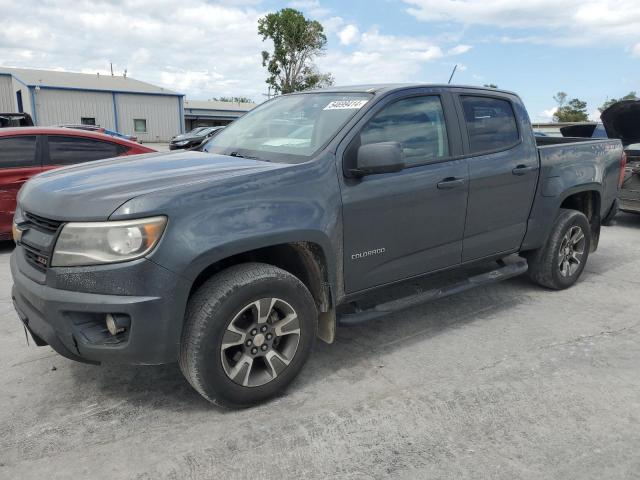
[239, 155]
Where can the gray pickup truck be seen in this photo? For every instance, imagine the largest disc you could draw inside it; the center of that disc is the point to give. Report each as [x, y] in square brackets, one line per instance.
[313, 209]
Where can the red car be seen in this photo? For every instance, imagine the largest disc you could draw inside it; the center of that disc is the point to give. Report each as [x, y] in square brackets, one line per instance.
[26, 151]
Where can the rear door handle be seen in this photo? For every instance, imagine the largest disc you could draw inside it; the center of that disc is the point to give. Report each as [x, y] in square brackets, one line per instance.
[523, 169]
[451, 182]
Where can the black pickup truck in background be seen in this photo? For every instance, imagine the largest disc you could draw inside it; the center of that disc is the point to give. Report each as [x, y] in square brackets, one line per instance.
[313, 209]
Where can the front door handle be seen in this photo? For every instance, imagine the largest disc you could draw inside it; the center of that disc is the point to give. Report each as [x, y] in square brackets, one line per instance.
[523, 169]
[450, 182]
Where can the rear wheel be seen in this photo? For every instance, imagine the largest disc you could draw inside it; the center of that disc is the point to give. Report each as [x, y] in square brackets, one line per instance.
[560, 262]
[248, 332]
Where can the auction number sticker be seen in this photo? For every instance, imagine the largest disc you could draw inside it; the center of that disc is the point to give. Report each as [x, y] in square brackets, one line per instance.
[346, 105]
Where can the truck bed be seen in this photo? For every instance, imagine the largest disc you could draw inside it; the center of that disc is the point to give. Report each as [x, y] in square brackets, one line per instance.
[544, 141]
[566, 163]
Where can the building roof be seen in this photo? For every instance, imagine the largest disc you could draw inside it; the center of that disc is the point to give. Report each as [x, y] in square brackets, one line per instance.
[215, 105]
[83, 81]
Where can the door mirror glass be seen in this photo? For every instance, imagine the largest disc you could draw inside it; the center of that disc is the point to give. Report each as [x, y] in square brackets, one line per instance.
[374, 158]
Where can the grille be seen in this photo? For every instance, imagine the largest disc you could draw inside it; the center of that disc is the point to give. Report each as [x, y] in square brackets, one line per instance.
[42, 224]
[39, 256]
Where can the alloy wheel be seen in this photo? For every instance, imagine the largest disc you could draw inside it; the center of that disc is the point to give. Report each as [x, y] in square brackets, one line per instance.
[260, 342]
[571, 251]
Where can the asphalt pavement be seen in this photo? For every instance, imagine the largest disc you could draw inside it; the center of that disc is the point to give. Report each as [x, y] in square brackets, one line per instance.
[508, 381]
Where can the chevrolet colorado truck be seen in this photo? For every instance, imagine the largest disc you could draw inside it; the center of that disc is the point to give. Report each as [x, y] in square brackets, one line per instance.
[313, 209]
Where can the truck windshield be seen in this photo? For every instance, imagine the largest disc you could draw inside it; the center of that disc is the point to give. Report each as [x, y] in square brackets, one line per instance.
[288, 129]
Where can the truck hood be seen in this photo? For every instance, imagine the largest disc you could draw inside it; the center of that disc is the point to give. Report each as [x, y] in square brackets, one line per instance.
[92, 191]
[622, 120]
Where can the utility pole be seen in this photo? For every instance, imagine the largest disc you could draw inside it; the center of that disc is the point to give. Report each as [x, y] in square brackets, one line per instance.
[111, 66]
[268, 94]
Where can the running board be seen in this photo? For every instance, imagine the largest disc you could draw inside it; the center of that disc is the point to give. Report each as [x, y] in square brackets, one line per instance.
[382, 309]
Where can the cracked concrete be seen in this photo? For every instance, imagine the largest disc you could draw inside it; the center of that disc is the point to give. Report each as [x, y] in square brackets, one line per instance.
[507, 381]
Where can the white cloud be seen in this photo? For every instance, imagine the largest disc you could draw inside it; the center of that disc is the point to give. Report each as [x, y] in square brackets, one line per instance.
[547, 115]
[312, 7]
[569, 22]
[377, 57]
[332, 25]
[459, 49]
[198, 48]
[349, 34]
[635, 50]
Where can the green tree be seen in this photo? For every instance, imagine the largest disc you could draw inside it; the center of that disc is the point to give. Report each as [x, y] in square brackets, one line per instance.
[234, 99]
[490, 85]
[574, 111]
[608, 103]
[560, 98]
[296, 42]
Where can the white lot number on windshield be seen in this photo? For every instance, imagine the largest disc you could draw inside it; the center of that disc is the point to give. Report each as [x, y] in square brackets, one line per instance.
[346, 105]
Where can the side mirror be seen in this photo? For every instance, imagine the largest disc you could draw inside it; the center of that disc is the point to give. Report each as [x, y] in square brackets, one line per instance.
[385, 157]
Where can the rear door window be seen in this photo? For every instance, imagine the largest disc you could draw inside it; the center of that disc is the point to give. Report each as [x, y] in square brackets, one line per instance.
[65, 150]
[491, 124]
[18, 152]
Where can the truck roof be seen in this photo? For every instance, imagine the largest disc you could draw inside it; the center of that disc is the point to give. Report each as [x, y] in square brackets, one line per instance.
[388, 87]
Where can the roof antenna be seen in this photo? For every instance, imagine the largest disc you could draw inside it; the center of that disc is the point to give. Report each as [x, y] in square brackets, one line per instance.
[452, 73]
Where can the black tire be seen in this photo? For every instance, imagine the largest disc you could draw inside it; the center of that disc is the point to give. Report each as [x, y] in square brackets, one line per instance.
[216, 308]
[545, 264]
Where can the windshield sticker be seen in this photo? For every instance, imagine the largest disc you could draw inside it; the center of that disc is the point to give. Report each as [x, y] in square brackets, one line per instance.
[346, 105]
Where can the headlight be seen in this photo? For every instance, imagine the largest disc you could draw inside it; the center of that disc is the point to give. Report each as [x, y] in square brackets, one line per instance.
[180, 144]
[95, 243]
[15, 230]
[17, 233]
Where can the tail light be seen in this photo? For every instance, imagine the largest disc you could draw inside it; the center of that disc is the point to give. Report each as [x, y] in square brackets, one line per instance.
[623, 166]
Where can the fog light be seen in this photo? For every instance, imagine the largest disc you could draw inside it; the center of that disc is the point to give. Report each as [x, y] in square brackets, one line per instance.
[113, 326]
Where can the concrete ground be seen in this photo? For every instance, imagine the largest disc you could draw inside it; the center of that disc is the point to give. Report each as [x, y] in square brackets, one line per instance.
[505, 382]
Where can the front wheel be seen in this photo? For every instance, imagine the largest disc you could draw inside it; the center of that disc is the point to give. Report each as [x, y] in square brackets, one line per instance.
[560, 262]
[248, 332]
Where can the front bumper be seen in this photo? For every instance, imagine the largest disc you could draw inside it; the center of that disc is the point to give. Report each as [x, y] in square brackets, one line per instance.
[72, 321]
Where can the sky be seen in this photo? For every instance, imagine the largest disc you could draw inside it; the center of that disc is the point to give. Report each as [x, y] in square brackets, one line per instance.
[589, 49]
